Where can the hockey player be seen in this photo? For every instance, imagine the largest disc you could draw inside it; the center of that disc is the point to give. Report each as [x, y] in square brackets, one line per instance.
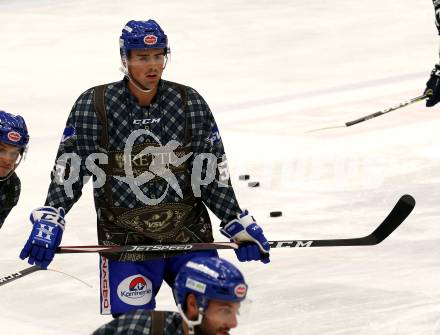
[14, 138]
[208, 293]
[150, 137]
[433, 84]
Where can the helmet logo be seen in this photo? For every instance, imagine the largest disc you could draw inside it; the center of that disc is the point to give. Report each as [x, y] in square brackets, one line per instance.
[240, 290]
[13, 136]
[150, 40]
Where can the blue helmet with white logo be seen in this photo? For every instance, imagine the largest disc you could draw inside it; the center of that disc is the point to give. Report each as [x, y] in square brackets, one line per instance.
[142, 35]
[13, 130]
[209, 278]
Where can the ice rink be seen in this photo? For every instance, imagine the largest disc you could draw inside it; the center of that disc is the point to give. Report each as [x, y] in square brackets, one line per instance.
[270, 71]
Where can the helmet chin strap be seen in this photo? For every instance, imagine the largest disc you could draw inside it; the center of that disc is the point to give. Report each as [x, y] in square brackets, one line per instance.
[137, 84]
[191, 324]
[8, 175]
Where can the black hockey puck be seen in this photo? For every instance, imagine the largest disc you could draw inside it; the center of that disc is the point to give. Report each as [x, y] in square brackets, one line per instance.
[243, 177]
[254, 184]
[275, 214]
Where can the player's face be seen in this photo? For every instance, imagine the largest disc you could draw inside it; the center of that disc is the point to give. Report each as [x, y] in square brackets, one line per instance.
[9, 155]
[146, 66]
[219, 318]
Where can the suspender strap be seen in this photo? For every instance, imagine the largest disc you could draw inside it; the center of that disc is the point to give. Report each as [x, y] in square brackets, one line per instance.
[184, 93]
[98, 99]
[101, 114]
[157, 323]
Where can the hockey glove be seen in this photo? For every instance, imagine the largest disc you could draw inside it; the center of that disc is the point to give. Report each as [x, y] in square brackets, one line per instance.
[433, 87]
[47, 230]
[253, 246]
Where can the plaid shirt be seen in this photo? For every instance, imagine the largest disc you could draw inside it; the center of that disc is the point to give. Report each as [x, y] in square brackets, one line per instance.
[9, 195]
[122, 111]
[437, 15]
[139, 323]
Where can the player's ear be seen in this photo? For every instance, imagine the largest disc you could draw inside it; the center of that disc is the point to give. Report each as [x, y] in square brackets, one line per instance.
[192, 310]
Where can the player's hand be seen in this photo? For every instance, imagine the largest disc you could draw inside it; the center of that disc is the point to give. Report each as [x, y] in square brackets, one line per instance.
[47, 231]
[253, 246]
[433, 87]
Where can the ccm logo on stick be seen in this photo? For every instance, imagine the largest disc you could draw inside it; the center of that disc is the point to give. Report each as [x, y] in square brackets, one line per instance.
[290, 244]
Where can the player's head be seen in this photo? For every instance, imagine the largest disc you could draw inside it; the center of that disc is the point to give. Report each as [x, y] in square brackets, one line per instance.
[208, 292]
[14, 139]
[142, 35]
[144, 52]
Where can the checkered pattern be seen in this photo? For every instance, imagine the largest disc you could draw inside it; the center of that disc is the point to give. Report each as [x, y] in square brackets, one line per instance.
[122, 110]
[139, 323]
[9, 195]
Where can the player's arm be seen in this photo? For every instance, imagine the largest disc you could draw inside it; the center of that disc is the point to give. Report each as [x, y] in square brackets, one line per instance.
[67, 179]
[238, 225]
[216, 189]
[78, 142]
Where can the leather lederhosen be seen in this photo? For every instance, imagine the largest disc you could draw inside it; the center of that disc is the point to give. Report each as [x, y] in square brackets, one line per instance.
[168, 222]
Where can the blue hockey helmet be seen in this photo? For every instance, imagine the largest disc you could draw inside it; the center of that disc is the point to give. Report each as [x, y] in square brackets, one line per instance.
[13, 130]
[209, 278]
[142, 35]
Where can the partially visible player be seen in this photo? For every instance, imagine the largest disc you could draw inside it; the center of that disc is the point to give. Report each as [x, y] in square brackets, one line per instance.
[14, 138]
[208, 292]
[433, 84]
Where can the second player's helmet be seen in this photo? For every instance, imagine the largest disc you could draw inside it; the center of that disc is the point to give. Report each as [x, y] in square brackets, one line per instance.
[13, 130]
[209, 278]
[142, 35]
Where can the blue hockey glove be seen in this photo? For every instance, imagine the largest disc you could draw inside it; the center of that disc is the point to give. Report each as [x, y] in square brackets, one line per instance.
[47, 230]
[245, 231]
[433, 87]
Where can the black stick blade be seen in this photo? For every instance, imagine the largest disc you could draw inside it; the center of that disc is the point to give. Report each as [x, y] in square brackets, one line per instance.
[398, 214]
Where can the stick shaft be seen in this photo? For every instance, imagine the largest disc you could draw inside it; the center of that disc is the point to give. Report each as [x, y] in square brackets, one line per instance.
[19, 274]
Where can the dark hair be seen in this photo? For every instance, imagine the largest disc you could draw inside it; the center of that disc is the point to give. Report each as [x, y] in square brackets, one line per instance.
[121, 52]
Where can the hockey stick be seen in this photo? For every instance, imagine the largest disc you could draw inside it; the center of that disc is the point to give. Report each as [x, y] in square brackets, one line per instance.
[19, 274]
[397, 215]
[376, 114]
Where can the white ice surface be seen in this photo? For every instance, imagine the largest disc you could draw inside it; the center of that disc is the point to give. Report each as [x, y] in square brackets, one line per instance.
[270, 71]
